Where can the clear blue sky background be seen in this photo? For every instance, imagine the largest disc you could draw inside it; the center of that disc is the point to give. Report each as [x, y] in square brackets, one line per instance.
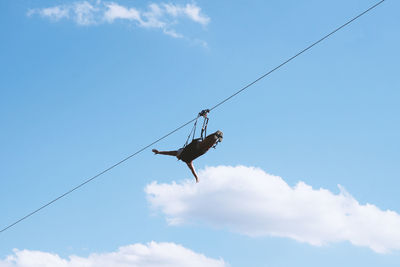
[76, 99]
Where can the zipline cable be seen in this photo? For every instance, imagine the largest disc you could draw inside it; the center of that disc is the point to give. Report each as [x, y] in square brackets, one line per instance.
[94, 177]
[180, 127]
[298, 54]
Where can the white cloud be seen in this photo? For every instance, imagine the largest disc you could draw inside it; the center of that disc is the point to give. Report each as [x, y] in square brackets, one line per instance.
[150, 255]
[159, 16]
[54, 13]
[85, 13]
[115, 11]
[249, 201]
[82, 13]
[173, 34]
[190, 10]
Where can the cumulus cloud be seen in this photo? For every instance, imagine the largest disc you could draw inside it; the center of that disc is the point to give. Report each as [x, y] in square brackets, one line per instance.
[249, 201]
[150, 255]
[159, 16]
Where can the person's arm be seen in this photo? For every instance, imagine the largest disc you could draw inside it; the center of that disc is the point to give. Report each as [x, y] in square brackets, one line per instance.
[190, 165]
[169, 153]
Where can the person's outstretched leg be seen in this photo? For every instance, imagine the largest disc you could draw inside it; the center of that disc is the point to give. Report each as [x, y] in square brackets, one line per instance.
[169, 153]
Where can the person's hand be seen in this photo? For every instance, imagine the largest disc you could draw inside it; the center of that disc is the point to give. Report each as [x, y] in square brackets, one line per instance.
[155, 151]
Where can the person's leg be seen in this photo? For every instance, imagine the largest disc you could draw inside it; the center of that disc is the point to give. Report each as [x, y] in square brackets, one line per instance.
[191, 167]
[169, 153]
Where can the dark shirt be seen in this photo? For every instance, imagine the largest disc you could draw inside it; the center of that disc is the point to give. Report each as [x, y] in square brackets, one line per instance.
[192, 151]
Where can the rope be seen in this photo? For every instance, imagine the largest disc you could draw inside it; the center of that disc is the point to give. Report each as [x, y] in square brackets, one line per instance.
[180, 127]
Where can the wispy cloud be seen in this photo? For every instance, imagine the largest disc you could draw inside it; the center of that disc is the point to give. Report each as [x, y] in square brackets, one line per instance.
[191, 11]
[249, 201]
[54, 13]
[148, 255]
[159, 16]
[85, 13]
[115, 11]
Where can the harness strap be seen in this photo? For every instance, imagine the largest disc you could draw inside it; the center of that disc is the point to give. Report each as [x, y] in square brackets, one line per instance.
[204, 128]
[215, 146]
[192, 132]
[204, 113]
[203, 134]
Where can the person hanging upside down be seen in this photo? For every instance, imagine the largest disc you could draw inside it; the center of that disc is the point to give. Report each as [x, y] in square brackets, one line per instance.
[194, 150]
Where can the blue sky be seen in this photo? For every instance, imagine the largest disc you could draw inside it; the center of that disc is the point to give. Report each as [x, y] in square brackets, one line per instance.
[86, 83]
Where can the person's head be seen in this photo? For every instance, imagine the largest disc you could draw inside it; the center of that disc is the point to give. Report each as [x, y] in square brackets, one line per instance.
[219, 135]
